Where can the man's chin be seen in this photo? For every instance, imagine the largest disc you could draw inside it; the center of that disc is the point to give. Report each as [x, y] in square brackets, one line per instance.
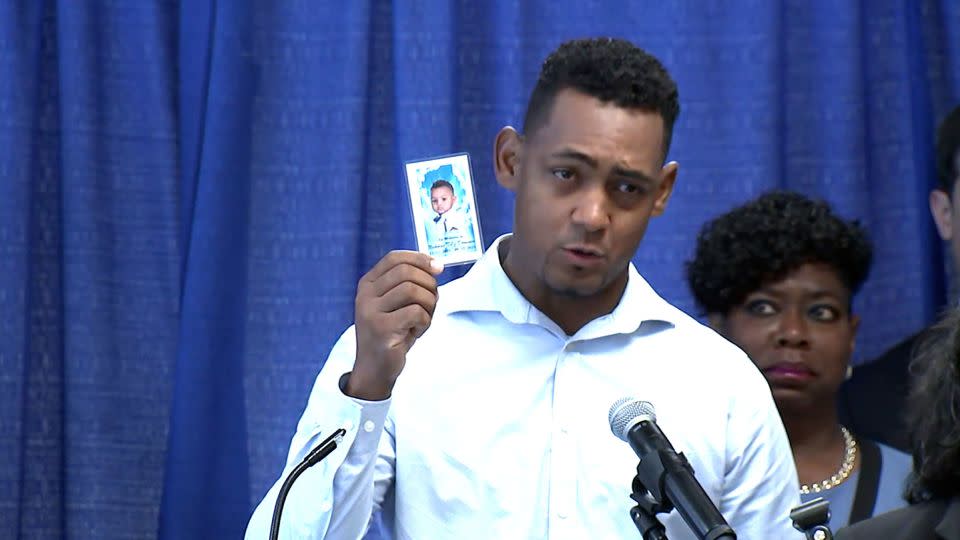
[577, 288]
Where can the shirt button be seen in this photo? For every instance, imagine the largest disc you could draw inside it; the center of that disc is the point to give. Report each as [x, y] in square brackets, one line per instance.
[325, 506]
[562, 514]
[348, 425]
[368, 426]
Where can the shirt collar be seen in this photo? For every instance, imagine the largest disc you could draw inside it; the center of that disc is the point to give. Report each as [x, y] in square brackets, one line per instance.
[486, 287]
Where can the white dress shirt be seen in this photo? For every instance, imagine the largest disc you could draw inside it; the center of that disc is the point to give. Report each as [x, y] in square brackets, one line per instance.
[450, 224]
[497, 427]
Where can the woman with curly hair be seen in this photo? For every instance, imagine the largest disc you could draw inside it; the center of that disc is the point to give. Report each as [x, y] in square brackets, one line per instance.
[934, 418]
[777, 277]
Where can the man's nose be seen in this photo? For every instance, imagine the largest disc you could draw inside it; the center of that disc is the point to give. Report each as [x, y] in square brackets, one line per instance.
[591, 209]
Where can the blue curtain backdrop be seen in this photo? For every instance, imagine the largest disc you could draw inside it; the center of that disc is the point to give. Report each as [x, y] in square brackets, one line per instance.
[190, 191]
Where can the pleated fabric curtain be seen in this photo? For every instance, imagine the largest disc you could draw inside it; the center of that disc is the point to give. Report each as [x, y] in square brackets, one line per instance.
[189, 192]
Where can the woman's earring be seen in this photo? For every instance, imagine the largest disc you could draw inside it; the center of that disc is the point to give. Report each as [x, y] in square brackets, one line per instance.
[849, 372]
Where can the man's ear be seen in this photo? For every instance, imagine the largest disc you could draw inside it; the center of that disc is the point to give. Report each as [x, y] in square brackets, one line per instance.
[668, 176]
[941, 208]
[506, 157]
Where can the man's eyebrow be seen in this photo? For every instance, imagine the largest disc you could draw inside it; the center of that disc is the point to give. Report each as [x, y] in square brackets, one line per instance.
[632, 173]
[618, 171]
[575, 155]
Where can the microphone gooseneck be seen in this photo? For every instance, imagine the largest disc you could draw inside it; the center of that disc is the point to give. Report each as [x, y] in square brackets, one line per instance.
[316, 455]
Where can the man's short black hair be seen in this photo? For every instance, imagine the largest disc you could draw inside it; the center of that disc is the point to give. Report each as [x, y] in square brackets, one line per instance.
[948, 151]
[610, 70]
[765, 239]
[440, 184]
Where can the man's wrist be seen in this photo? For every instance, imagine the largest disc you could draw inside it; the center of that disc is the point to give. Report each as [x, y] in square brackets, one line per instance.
[359, 387]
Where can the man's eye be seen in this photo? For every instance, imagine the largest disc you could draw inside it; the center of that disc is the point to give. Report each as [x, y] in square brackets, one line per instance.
[563, 174]
[627, 187]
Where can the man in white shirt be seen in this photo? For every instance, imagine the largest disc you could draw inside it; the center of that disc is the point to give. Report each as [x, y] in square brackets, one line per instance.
[479, 409]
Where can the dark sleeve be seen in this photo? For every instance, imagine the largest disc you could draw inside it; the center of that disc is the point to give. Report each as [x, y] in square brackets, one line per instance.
[911, 523]
[873, 401]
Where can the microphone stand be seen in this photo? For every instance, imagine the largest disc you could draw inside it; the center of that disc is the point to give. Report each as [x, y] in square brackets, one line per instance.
[652, 500]
[315, 456]
[811, 519]
[644, 514]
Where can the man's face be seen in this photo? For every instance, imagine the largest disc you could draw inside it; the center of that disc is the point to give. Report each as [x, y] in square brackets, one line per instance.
[587, 183]
[945, 209]
[442, 199]
[799, 332]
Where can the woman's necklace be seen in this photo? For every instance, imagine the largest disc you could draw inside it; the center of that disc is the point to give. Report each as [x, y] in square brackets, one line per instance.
[846, 467]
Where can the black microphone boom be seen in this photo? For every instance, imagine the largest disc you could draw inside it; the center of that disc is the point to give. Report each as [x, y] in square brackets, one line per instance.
[322, 450]
[666, 474]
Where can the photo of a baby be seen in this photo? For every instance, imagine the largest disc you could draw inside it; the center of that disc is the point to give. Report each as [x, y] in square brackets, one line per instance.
[443, 208]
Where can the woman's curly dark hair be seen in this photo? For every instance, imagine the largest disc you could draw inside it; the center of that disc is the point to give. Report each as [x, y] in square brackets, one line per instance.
[767, 238]
[933, 413]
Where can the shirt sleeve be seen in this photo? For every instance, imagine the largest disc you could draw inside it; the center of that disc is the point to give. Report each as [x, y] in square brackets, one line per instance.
[336, 497]
[761, 486]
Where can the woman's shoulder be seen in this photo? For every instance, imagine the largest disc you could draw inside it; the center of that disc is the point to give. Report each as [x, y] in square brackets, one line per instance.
[895, 459]
[895, 467]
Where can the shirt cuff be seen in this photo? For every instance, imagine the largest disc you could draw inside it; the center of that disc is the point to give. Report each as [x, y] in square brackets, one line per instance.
[373, 415]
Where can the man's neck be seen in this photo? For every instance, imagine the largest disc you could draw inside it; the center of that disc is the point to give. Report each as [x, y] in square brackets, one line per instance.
[569, 311]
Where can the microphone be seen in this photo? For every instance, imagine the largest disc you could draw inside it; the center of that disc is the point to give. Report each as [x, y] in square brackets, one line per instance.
[325, 448]
[666, 475]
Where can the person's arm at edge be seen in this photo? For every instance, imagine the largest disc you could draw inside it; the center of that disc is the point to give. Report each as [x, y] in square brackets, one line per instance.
[336, 497]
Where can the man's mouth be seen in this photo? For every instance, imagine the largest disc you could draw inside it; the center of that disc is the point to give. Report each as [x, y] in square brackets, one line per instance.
[584, 250]
[582, 255]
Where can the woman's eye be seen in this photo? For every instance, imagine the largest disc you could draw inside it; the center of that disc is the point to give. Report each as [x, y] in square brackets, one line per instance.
[824, 313]
[760, 307]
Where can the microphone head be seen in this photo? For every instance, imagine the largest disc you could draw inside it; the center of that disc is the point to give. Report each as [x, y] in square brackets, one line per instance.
[627, 412]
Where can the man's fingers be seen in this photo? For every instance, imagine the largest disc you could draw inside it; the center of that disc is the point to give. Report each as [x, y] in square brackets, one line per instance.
[414, 258]
[405, 294]
[400, 274]
[410, 318]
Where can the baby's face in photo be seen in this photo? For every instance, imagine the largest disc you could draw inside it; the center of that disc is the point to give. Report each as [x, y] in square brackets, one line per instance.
[442, 199]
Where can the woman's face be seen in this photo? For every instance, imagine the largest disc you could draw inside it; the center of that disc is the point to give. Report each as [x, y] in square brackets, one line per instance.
[799, 332]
